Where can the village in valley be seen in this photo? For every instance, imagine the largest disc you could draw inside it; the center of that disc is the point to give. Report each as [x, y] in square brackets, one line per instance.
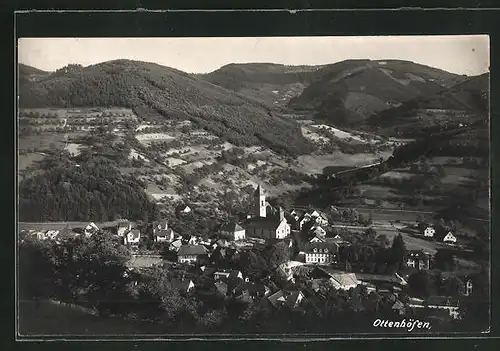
[304, 253]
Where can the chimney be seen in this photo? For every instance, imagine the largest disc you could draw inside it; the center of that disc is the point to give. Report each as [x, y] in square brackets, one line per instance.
[281, 213]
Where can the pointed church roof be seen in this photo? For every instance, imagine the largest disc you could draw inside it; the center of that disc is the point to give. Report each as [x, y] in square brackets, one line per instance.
[259, 191]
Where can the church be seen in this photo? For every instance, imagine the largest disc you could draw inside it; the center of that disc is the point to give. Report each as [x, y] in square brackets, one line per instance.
[263, 224]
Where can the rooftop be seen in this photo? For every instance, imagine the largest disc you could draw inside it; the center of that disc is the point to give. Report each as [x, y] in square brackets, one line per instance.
[263, 223]
[192, 250]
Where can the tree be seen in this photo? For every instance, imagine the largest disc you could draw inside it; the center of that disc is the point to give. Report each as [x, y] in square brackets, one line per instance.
[279, 253]
[370, 234]
[444, 260]
[421, 284]
[398, 251]
[382, 240]
[453, 286]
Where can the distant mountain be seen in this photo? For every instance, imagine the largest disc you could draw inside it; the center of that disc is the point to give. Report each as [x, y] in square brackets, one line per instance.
[348, 92]
[462, 103]
[274, 84]
[27, 73]
[169, 93]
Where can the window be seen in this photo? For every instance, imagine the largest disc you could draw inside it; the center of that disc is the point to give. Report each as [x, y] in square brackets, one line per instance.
[315, 250]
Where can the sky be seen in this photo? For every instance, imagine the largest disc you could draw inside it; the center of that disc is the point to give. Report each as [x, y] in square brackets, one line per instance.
[461, 54]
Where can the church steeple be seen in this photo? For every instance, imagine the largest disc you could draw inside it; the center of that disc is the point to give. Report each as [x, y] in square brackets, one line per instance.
[260, 202]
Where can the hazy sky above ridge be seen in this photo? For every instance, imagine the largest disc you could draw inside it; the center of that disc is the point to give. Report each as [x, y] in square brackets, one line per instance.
[461, 54]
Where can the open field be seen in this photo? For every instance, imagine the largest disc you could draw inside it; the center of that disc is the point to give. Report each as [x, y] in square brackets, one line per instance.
[41, 142]
[314, 164]
[24, 161]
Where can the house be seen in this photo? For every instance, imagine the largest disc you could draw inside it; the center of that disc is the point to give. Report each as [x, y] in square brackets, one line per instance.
[381, 279]
[321, 252]
[175, 245]
[123, 228]
[162, 232]
[132, 237]
[183, 210]
[449, 238]
[318, 218]
[51, 234]
[429, 232]
[337, 279]
[91, 229]
[268, 227]
[291, 299]
[468, 287]
[295, 215]
[287, 269]
[183, 285]
[318, 232]
[227, 274]
[233, 231]
[251, 289]
[418, 259]
[193, 240]
[192, 253]
[306, 217]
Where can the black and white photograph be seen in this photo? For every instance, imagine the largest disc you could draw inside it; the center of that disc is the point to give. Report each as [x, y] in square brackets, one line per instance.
[242, 186]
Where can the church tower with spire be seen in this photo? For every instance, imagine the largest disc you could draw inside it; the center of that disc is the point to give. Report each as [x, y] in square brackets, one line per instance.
[260, 202]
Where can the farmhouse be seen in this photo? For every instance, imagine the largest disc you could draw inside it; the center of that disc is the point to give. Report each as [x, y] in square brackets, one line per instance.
[449, 238]
[429, 232]
[123, 228]
[233, 231]
[318, 218]
[175, 245]
[91, 229]
[51, 234]
[183, 210]
[192, 253]
[418, 259]
[132, 237]
[162, 232]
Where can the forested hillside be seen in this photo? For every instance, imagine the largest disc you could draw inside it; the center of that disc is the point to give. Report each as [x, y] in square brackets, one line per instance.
[466, 99]
[170, 93]
[92, 191]
[348, 92]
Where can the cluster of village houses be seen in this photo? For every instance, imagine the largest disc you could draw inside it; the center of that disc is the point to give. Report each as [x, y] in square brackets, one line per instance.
[268, 223]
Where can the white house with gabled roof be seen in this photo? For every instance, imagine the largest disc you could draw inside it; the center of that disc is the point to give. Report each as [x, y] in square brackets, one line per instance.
[429, 232]
[450, 238]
